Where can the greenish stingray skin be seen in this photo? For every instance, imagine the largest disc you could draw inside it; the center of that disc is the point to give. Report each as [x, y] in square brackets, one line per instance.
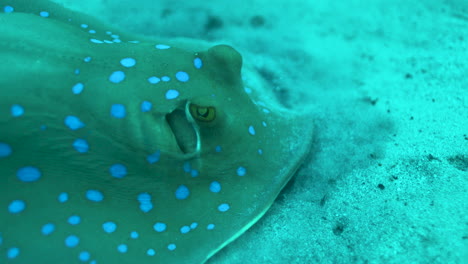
[251, 147]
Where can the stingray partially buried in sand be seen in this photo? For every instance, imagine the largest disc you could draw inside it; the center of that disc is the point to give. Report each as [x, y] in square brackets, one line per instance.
[116, 148]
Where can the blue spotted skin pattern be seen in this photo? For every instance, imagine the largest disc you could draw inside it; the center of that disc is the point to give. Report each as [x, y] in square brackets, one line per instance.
[122, 150]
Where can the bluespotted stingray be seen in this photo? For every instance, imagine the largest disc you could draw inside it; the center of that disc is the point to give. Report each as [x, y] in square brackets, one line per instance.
[117, 148]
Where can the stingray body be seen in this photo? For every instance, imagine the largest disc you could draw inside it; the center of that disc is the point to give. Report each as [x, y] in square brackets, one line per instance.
[115, 149]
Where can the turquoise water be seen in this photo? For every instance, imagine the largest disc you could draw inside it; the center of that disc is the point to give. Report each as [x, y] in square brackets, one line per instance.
[385, 83]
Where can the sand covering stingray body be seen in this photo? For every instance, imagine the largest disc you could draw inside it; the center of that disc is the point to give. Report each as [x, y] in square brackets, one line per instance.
[116, 148]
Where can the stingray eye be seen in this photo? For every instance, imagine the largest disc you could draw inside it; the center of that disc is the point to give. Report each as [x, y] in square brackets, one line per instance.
[203, 113]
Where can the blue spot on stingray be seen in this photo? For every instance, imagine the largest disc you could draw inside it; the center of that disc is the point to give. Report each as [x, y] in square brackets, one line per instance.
[78, 88]
[117, 77]
[16, 110]
[194, 173]
[193, 225]
[128, 62]
[247, 90]
[94, 195]
[153, 80]
[251, 130]
[182, 76]
[118, 171]
[187, 167]
[84, 26]
[118, 111]
[260, 151]
[215, 187]
[63, 197]
[146, 106]
[73, 122]
[144, 198]
[122, 248]
[74, 220]
[13, 253]
[171, 247]
[134, 234]
[5, 150]
[241, 171]
[184, 229]
[145, 202]
[172, 94]
[223, 207]
[150, 252]
[109, 227]
[84, 256]
[77, 71]
[16, 206]
[92, 31]
[28, 174]
[97, 41]
[264, 123]
[81, 145]
[87, 59]
[198, 63]
[44, 14]
[48, 229]
[72, 241]
[210, 227]
[159, 227]
[182, 192]
[146, 207]
[165, 78]
[218, 148]
[153, 158]
[8, 9]
[162, 46]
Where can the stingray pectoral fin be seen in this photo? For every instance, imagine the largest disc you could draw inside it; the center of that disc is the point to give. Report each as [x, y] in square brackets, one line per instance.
[38, 34]
[25, 46]
[282, 152]
[56, 12]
